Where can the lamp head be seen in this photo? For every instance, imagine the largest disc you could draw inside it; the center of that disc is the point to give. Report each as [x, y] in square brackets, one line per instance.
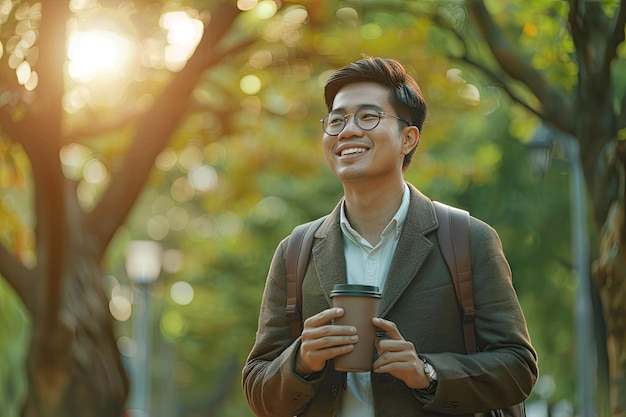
[143, 261]
[540, 150]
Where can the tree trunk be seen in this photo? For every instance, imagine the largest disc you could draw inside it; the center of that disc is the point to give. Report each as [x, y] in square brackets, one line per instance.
[74, 368]
[610, 277]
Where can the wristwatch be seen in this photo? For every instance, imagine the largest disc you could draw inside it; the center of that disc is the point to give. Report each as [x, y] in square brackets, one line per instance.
[430, 372]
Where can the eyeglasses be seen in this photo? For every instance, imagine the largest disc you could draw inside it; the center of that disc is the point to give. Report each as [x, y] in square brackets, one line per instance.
[366, 119]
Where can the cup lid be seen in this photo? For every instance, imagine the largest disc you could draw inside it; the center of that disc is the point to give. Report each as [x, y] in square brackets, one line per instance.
[355, 290]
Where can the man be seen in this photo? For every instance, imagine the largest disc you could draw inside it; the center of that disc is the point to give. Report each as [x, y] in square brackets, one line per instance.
[383, 233]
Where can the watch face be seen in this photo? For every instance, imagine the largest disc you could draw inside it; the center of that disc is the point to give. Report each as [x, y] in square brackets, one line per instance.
[430, 371]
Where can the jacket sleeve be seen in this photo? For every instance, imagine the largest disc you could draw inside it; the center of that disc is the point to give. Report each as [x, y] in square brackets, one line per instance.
[270, 384]
[504, 371]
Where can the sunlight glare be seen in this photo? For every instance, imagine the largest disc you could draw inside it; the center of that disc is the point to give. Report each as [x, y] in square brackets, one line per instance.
[96, 53]
[183, 35]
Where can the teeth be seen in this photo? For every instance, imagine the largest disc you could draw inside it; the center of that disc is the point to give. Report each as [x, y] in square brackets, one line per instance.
[350, 151]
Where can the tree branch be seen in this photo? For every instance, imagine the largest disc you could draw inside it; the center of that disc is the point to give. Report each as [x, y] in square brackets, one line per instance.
[502, 84]
[616, 36]
[155, 127]
[575, 20]
[481, 66]
[99, 126]
[556, 106]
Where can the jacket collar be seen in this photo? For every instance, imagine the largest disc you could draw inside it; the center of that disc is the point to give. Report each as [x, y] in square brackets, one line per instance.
[412, 251]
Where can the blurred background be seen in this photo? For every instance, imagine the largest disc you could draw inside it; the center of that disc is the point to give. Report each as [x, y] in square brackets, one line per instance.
[154, 153]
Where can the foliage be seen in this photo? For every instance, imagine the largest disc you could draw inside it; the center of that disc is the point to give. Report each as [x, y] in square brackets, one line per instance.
[13, 337]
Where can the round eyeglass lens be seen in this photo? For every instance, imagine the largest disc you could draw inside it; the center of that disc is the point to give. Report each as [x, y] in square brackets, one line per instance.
[366, 119]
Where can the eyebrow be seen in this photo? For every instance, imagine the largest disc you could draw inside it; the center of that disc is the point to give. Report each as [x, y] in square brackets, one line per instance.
[362, 106]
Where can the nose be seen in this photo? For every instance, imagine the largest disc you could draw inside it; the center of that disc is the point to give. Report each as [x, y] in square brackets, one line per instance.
[351, 129]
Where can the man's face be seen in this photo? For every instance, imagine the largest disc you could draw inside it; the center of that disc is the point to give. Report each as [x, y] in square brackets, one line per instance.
[372, 155]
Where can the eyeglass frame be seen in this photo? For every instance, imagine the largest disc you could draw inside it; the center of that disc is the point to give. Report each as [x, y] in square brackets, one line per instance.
[356, 120]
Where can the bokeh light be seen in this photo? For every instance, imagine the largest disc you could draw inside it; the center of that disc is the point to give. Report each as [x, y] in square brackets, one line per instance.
[158, 227]
[250, 84]
[245, 5]
[166, 160]
[182, 293]
[203, 177]
[183, 35]
[95, 172]
[266, 9]
[201, 228]
[120, 308]
[73, 158]
[173, 324]
[172, 261]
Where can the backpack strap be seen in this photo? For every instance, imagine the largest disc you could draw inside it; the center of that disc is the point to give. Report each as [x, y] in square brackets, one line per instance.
[296, 261]
[454, 241]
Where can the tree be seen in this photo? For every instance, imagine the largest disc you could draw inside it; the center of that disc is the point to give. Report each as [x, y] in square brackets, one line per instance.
[592, 108]
[74, 367]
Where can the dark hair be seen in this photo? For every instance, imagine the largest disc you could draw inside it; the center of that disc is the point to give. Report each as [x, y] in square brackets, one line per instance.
[405, 94]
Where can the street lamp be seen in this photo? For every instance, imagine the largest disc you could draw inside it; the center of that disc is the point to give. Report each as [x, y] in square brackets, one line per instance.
[539, 150]
[143, 266]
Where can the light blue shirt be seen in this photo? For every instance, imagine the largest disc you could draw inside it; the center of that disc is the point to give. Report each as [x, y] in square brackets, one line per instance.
[368, 265]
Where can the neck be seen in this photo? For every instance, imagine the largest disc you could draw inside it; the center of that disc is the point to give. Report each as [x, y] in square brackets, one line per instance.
[369, 208]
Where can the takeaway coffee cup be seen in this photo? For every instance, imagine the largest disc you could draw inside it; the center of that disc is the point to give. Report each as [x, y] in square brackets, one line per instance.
[360, 305]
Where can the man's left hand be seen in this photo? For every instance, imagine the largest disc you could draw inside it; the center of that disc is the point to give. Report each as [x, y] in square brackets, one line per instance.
[398, 357]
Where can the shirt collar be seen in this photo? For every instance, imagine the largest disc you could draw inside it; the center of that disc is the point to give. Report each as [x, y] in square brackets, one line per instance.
[394, 225]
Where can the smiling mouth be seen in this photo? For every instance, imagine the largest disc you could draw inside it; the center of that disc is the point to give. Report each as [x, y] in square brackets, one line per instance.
[352, 151]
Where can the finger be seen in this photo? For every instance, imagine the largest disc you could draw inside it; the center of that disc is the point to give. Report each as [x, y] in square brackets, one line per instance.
[328, 336]
[385, 344]
[401, 364]
[389, 327]
[316, 351]
[401, 370]
[395, 346]
[321, 337]
[323, 317]
[327, 353]
[397, 353]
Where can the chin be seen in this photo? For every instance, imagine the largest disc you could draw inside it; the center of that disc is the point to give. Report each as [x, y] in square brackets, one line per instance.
[351, 175]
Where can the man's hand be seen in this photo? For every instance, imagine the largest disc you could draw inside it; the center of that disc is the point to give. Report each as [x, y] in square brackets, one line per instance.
[398, 357]
[321, 341]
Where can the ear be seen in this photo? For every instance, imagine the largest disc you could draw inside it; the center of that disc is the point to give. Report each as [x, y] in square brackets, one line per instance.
[410, 139]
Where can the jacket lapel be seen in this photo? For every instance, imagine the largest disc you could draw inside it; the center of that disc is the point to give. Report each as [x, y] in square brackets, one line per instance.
[327, 253]
[412, 250]
[411, 253]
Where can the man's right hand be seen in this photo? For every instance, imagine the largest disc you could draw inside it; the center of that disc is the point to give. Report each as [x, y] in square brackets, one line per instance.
[321, 341]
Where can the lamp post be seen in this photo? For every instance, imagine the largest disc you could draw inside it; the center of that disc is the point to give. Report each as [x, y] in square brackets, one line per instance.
[143, 266]
[540, 148]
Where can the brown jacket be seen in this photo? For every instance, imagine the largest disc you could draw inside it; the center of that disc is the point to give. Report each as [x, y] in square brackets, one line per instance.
[419, 297]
